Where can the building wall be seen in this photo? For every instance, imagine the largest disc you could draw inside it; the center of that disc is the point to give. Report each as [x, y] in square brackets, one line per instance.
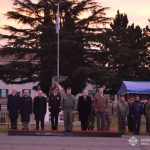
[18, 87]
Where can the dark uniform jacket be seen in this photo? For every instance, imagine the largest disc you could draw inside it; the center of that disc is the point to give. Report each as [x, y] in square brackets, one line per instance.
[130, 109]
[84, 107]
[39, 107]
[13, 106]
[137, 108]
[26, 108]
[54, 102]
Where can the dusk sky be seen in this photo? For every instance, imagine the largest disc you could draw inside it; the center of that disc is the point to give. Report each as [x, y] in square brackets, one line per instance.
[138, 11]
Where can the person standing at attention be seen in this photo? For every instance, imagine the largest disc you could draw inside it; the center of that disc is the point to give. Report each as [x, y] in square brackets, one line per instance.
[137, 111]
[84, 109]
[25, 109]
[39, 109]
[147, 111]
[13, 107]
[101, 107]
[122, 111]
[54, 107]
[68, 107]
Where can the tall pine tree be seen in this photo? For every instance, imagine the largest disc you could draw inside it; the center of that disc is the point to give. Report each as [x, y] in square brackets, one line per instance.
[123, 53]
[36, 39]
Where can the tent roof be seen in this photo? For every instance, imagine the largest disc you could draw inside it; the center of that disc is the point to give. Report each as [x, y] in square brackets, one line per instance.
[140, 87]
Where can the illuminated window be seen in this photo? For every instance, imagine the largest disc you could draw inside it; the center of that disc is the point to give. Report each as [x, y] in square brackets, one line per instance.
[3, 93]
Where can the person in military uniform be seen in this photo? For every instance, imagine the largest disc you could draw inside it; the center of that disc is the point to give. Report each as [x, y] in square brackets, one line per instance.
[13, 107]
[122, 111]
[84, 109]
[147, 112]
[137, 111]
[145, 115]
[68, 107]
[39, 109]
[108, 114]
[130, 116]
[54, 107]
[25, 109]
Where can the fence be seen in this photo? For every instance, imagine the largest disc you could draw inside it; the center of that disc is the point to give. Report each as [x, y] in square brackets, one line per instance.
[4, 119]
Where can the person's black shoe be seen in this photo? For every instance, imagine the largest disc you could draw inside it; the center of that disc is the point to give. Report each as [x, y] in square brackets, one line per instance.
[136, 133]
[55, 128]
[15, 128]
[68, 130]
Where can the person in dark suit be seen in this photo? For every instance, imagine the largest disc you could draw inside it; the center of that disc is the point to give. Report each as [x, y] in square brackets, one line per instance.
[147, 113]
[146, 116]
[13, 107]
[39, 109]
[130, 116]
[25, 109]
[137, 111]
[54, 107]
[84, 109]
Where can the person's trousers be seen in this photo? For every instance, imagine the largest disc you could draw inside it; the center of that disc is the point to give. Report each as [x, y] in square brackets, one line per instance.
[91, 121]
[107, 121]
[68, 119]
[148, 122]
[38, 123]
[122, 123]
[130, 123]
[136, 123]
[13, 123]
[84, 123]
[54, 120]
[25, 124]
[100, 116]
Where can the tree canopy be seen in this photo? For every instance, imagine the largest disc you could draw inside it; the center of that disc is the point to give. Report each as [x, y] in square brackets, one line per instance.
[123, 53]
[32, 45]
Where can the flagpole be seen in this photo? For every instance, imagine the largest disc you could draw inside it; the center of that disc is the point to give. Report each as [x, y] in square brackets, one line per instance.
[58, 55]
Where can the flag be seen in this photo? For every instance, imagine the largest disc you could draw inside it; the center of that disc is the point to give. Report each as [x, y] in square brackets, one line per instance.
[57, 26]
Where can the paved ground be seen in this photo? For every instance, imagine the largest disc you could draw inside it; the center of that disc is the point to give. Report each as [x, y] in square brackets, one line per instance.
[71, 143]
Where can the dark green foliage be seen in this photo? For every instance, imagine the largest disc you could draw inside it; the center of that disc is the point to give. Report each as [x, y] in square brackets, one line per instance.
[123, 52]
[36, 38]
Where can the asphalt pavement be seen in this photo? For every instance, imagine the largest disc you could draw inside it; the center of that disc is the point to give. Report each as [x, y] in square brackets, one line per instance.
[73, 143]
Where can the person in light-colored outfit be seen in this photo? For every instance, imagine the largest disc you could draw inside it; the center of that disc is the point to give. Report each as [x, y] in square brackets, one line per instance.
[68, 106]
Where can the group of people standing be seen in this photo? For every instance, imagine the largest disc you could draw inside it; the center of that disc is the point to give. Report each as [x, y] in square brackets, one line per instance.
[25, 107]
[99, 106]
[130, 113]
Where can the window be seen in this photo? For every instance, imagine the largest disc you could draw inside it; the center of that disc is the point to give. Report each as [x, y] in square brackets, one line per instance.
[3, 93]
